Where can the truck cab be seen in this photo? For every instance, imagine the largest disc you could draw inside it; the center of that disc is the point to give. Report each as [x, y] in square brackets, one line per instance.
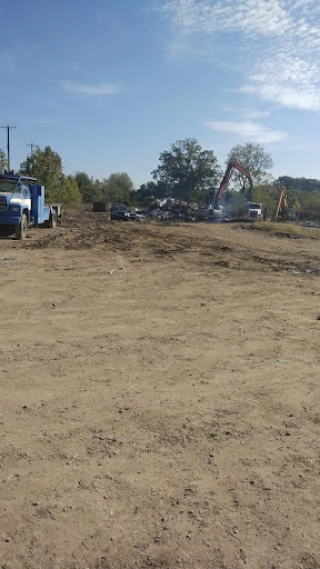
[15, 198]
[22, 205]
[255, 211]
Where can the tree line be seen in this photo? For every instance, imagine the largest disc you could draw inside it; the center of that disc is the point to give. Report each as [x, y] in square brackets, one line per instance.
[186, 171]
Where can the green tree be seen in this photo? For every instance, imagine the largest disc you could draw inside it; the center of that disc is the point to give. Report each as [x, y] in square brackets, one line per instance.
[46, 166]
[186, 170]
[89, 188]
[310, 201]
[3, 161]
[304, 184]
[117, 188]
[253, 158]
[148, 192]
[268, 194]
[296, 203]
[69, 191]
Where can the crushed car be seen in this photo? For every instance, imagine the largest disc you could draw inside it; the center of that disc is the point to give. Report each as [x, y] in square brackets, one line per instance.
[120, 212]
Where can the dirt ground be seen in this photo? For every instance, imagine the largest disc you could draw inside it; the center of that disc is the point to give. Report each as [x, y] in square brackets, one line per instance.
[163, 415]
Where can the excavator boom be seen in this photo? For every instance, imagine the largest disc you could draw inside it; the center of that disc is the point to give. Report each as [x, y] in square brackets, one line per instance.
[211, 209]
[226, 179]
[282, 211]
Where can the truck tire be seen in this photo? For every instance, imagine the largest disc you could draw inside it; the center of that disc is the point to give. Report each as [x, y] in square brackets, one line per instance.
[53, 220]
[21, 228]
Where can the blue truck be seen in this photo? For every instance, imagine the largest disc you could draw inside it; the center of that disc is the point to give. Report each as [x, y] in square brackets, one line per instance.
[22, 205]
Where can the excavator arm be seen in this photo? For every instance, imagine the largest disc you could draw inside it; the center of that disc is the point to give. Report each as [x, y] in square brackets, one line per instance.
[226, 179]
[282, 205]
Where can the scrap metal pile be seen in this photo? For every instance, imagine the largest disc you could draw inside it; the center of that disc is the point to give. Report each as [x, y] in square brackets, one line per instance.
[169, 208]
[163, 209]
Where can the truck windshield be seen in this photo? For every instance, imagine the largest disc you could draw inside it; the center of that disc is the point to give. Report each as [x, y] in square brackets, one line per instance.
[255, 206]
[8, 186]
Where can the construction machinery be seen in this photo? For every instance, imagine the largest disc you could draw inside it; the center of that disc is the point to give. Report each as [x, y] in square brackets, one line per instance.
[212, 209]
[22, 205]
[283, 212]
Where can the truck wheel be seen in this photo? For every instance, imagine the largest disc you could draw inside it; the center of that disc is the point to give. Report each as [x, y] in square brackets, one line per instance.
[21, 228]
[53, 220]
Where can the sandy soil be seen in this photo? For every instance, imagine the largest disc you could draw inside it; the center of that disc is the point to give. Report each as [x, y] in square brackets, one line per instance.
[165, 415]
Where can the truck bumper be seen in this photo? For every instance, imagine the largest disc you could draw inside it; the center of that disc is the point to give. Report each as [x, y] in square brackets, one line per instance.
[9, 219]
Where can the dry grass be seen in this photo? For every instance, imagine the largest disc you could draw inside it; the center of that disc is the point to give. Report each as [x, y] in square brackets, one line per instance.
[285, 230]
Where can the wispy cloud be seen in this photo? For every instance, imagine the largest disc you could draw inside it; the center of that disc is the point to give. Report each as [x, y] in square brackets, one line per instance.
[254, 19]
[279, 42]
[89, 89]
[249, 114]
[248, 130]
[254, 115]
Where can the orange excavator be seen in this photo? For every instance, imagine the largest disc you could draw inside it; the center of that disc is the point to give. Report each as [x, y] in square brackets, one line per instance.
[211, 209]
[226, 179]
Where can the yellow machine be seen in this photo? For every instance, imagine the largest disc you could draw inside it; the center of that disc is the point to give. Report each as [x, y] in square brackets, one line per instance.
[282, 211]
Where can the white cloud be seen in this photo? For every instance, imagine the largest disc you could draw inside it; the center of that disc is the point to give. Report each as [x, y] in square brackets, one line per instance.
[248, 130]
[293, 82]
[249, 114]
[253, 18]
[102, 89]
[253, 115]
[278, 42]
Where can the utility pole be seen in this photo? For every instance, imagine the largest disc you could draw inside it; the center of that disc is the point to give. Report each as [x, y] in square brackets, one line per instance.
[8, 142]
[32, 146]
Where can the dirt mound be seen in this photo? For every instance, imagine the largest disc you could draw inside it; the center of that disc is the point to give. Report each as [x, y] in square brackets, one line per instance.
[225, 245]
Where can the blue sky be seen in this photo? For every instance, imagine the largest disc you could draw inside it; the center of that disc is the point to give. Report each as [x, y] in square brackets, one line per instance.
[111, 83]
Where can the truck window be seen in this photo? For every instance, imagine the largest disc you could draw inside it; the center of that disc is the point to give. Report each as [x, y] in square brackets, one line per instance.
[7, 186]
[25, 192]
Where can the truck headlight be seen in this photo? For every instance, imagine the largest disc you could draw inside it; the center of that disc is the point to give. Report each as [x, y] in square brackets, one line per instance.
[15, 208]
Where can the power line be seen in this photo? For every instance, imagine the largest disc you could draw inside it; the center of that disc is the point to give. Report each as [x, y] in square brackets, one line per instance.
[32, 147]
[8, 128]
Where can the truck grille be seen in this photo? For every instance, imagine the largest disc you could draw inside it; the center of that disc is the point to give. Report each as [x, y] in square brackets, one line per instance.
[3, 203]
[253, 214]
